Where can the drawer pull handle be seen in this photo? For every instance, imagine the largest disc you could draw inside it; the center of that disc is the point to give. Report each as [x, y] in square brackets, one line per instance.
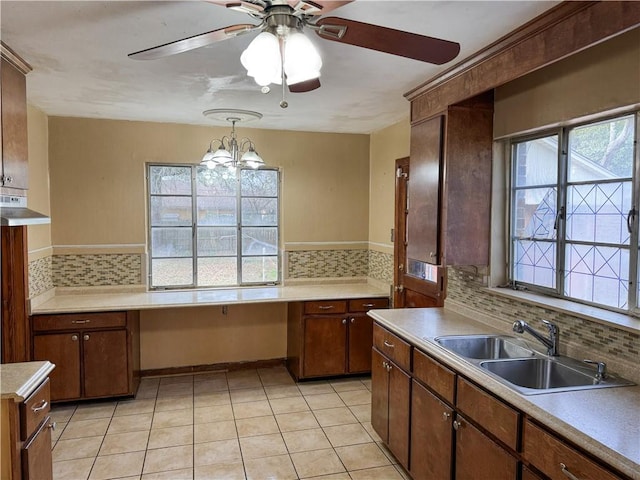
[43, 404]
[369, 305]
[325, 307]
[390, 345]
[567, 473]
[80, 322]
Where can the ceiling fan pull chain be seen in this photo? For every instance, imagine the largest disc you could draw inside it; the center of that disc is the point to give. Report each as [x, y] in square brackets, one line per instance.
[283, 103]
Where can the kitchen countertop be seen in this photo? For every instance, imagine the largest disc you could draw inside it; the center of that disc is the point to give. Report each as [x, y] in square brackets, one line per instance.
[19, 380]
[605, 422]
[100, 302]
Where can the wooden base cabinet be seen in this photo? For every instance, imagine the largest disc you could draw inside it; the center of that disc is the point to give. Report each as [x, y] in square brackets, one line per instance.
[26, 436]
[330, 337]
[391, 392]
[97, 355]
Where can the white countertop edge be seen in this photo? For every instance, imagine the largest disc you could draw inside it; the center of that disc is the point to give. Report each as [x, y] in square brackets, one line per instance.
[85, 302]
[521, 402]
[32, 379]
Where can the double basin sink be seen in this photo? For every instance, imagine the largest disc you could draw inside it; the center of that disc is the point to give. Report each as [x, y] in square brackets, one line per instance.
[512, 363]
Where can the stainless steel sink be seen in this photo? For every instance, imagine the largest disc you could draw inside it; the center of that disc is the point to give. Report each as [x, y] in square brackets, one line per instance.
[485, 347]
[546, 374]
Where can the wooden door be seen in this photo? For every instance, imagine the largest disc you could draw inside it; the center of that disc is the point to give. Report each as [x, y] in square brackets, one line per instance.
[431, 436]
[380, 395]
[325, 345]
[63, 350]
[399, 410]
[105, 362]
[360, 343]
[36, 455]
[410, 289]
[477, 456]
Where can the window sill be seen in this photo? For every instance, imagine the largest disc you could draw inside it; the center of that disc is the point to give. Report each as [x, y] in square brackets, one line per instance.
[594, 314]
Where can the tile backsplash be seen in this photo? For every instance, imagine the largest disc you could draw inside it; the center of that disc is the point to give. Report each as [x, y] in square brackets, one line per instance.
[577, 335]
[126, 269]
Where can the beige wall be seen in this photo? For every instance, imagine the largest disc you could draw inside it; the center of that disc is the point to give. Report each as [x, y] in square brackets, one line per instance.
[386, 146]
[599, 79]
[39, 236]
[204, 335]
[98, 187]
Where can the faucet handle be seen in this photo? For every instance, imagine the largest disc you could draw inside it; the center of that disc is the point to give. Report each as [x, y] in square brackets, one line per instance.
[601, 372]
[551, 326]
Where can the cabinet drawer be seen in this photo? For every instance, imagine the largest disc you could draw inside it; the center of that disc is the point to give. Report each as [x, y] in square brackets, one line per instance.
[34, 410]
[325, 306]
[548, 454]
[496, 417]
[392, 346]
[434, 375]
[76, 321]
[366, 304]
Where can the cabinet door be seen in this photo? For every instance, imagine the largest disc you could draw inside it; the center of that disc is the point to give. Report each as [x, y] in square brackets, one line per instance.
[380, 395]
[325, 345]
[399, 405]
[431, 435]
[14, 127]
[423, 206]
[63, 350]
[360, 343]
[477, 456]
[105, 363]
[36, 455]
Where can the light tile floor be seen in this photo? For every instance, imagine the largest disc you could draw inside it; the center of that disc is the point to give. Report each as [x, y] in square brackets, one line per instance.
[251, 424]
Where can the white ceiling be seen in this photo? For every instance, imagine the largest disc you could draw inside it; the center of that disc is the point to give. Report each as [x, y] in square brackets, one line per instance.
[78, 51]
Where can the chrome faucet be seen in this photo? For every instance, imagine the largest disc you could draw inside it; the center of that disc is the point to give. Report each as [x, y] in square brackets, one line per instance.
[552, 342]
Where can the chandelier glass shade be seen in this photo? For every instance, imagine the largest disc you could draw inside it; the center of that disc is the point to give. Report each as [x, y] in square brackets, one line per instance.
[231, 153]
[268, 53]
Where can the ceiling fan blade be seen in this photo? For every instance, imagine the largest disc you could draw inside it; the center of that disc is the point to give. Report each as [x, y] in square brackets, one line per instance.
[322, 7]
[193, 42]
[306, 86]
[388, 40]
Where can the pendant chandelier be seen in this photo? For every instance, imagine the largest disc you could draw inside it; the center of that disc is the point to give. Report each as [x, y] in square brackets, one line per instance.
[228, 151]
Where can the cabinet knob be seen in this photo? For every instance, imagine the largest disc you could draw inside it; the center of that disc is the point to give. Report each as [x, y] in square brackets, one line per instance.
[344, 321]
[446, 416]
[86, 337]
[353, 320]
[52, 425]
[457, 424]
[432, 254]
[74, 338]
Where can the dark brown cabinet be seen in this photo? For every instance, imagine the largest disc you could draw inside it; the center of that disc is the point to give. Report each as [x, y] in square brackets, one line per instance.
[14, 166]
[450, 188]
[391, 392]
[97, 355]
[330, 337]
[477, 456]
[26, 436]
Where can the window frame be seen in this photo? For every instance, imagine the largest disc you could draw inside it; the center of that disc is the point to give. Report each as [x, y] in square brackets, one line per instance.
[239, 256]
[563, 184]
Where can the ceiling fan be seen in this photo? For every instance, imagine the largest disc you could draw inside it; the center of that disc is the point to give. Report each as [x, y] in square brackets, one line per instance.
[282, 54]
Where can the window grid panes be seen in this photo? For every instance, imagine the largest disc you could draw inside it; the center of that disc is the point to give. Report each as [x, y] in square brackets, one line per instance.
[573, 226]
[213, 227]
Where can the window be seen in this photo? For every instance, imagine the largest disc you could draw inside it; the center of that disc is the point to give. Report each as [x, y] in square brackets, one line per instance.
[213, 227]
[573, 223]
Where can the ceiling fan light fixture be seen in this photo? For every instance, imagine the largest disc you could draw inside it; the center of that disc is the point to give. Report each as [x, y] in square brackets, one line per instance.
[302, 61]
[262, 59]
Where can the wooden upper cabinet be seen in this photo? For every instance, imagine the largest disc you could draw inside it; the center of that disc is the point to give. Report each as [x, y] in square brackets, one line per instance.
[423, 192]
[449, 188]
[14, 165]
